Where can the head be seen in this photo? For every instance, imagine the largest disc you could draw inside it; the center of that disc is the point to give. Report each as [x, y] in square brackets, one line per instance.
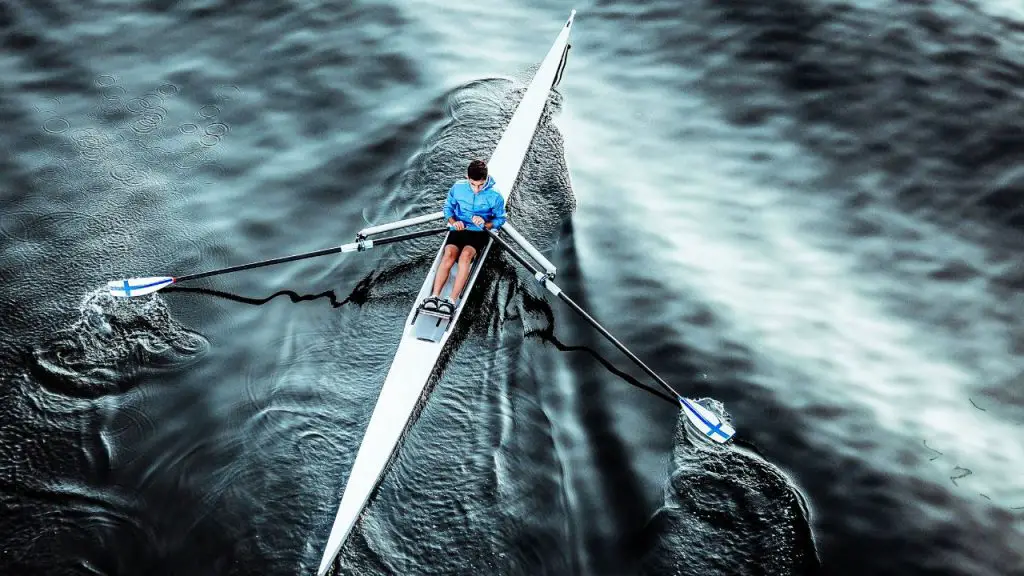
[477, 174]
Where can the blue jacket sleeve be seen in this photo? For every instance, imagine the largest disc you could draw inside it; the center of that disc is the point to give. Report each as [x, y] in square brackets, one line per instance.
[498, 212]
[449, 204]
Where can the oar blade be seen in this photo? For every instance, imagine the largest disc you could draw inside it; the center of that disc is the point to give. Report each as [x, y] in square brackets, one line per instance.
[133, 287]
[706, 421]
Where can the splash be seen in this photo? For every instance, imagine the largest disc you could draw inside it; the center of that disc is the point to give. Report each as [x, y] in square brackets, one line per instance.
[728, 511]
[113, 340]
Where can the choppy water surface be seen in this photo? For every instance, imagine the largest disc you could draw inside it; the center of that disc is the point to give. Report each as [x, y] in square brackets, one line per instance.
[805, 212]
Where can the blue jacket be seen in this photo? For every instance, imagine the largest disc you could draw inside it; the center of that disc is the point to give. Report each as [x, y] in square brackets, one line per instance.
[463, 204]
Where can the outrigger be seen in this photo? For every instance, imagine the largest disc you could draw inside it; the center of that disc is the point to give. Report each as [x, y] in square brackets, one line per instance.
[427, 331]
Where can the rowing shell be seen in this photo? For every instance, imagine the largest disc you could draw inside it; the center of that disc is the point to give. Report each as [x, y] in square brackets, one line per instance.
[425, 335]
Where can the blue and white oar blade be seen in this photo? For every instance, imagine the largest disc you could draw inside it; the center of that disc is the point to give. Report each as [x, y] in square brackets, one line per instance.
[706, 421]
[138, 286]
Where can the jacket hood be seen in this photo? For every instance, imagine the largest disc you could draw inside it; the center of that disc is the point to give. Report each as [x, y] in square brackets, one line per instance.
[487, 185]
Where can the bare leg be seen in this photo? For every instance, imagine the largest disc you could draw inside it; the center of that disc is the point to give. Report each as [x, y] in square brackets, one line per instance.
[451, 252]
[462, 274]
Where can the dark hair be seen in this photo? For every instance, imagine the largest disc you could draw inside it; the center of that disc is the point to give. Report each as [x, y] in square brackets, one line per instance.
[477, 170]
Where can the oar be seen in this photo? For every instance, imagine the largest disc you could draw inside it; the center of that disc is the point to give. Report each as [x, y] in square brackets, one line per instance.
[133, 287]
[703, 419]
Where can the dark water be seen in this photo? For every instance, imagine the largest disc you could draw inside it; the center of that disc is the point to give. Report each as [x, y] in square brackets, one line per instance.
[807, 211]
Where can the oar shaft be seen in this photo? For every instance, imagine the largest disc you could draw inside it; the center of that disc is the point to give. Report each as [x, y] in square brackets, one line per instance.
[352, 247]
[554, 289]
[260, 264]
[400, 237]
[622, 347]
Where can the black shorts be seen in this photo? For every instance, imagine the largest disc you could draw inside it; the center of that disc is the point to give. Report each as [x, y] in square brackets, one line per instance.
[463, 238]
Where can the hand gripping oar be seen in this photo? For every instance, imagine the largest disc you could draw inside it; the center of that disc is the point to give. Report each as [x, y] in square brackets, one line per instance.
[132, 287]
[702, 419]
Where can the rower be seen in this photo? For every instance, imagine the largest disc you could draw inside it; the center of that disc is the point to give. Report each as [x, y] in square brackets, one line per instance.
[473, 207]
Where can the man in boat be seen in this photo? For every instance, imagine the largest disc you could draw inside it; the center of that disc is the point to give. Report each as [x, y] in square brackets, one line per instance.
[473, 206]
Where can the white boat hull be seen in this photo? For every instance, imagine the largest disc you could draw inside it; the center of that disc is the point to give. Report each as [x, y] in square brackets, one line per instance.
[416, 358]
